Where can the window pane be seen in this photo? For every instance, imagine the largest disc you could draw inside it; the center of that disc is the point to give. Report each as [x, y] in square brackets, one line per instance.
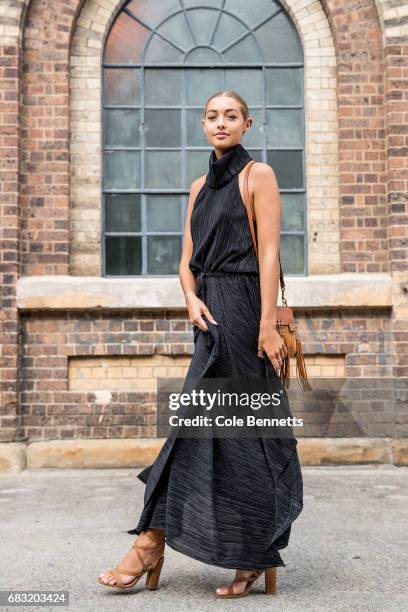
[177, 31]
[201, 83]
[163, 254]
[293, 215]
[279, 40]
[196, 165]
[162, 87]
[121, 128]
[202, 22]
[203, 55]
[152, 13]
[123, 255]
[160, 51]
[235, 78]
[292, 254]
[228, 30]
[195, 132]
[256, 155]
[121, 86]
[288, 167]
[122, 212]
[163, 213]
[284, 86]
[254, 136]
[215, 3]
[126, 41]
[162, 128]
[284, 128]
[121, 170]
[246, 50]
[252, 12]
[163, 169]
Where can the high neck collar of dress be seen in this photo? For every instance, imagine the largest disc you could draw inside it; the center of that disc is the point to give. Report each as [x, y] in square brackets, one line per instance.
[223, 169]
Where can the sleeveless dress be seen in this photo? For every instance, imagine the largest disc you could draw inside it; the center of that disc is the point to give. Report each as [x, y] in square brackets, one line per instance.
[224, 501]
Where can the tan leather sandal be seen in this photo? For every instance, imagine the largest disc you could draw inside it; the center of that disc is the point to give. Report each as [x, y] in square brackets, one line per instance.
[270, 583]
[153, 568]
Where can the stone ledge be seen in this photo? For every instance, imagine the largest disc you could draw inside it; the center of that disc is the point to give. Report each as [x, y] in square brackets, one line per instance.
[320, 291]
[400, 452]
[94, 453]
[12, 456]
[344, 451]
[140, 452]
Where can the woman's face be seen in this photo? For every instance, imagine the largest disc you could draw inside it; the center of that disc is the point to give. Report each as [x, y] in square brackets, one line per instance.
[224, 123]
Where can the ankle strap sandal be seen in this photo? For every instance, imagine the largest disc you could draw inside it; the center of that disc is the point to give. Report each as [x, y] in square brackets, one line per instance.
[270, 583]
[153, 568]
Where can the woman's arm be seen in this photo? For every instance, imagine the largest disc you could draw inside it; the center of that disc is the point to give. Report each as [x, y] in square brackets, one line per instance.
[196, 307]
[267, 206]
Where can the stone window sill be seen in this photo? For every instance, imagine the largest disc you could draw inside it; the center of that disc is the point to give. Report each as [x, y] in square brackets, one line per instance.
[319, 291]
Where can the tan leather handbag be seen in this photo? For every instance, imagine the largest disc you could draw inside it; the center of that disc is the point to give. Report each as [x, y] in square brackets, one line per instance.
[285, 322]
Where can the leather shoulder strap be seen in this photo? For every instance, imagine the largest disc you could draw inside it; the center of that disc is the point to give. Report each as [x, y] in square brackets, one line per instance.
[248, 205]
[251, 218]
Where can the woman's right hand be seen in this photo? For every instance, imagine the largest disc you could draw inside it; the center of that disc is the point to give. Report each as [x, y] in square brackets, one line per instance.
[196, 308]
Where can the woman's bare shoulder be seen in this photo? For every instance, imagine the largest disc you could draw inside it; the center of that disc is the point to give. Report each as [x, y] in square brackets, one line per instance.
[263, 178]
[263, 170]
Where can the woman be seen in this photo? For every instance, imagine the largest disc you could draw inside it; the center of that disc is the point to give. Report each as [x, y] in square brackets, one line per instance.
[225, 502]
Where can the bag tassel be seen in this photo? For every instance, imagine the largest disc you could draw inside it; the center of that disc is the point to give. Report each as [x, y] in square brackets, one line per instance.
[301, 367]
[285, 372]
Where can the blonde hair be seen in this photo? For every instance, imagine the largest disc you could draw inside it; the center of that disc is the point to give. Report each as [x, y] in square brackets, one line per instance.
[230, 94]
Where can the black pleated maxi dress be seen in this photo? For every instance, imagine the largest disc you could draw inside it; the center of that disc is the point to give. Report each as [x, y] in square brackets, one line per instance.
[227, 502]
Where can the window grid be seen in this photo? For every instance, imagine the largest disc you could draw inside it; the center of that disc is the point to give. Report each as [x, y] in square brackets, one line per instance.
[183, 108]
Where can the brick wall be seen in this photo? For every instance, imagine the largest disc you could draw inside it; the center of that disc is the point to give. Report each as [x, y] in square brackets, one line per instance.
[51, 408]
[9, 235]
[396, 74]
[61, 390]
[360, 100]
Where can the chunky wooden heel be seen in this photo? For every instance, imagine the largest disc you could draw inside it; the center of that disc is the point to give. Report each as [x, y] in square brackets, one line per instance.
[153, 575]
[270, 580]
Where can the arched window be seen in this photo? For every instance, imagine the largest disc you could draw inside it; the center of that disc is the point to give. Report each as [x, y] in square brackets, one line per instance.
[162, 60]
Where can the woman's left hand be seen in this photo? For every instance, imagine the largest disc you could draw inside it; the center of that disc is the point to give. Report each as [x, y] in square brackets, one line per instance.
[271, 343]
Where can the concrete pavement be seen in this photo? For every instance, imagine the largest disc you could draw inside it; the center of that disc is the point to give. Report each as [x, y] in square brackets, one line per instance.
[348, 549]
